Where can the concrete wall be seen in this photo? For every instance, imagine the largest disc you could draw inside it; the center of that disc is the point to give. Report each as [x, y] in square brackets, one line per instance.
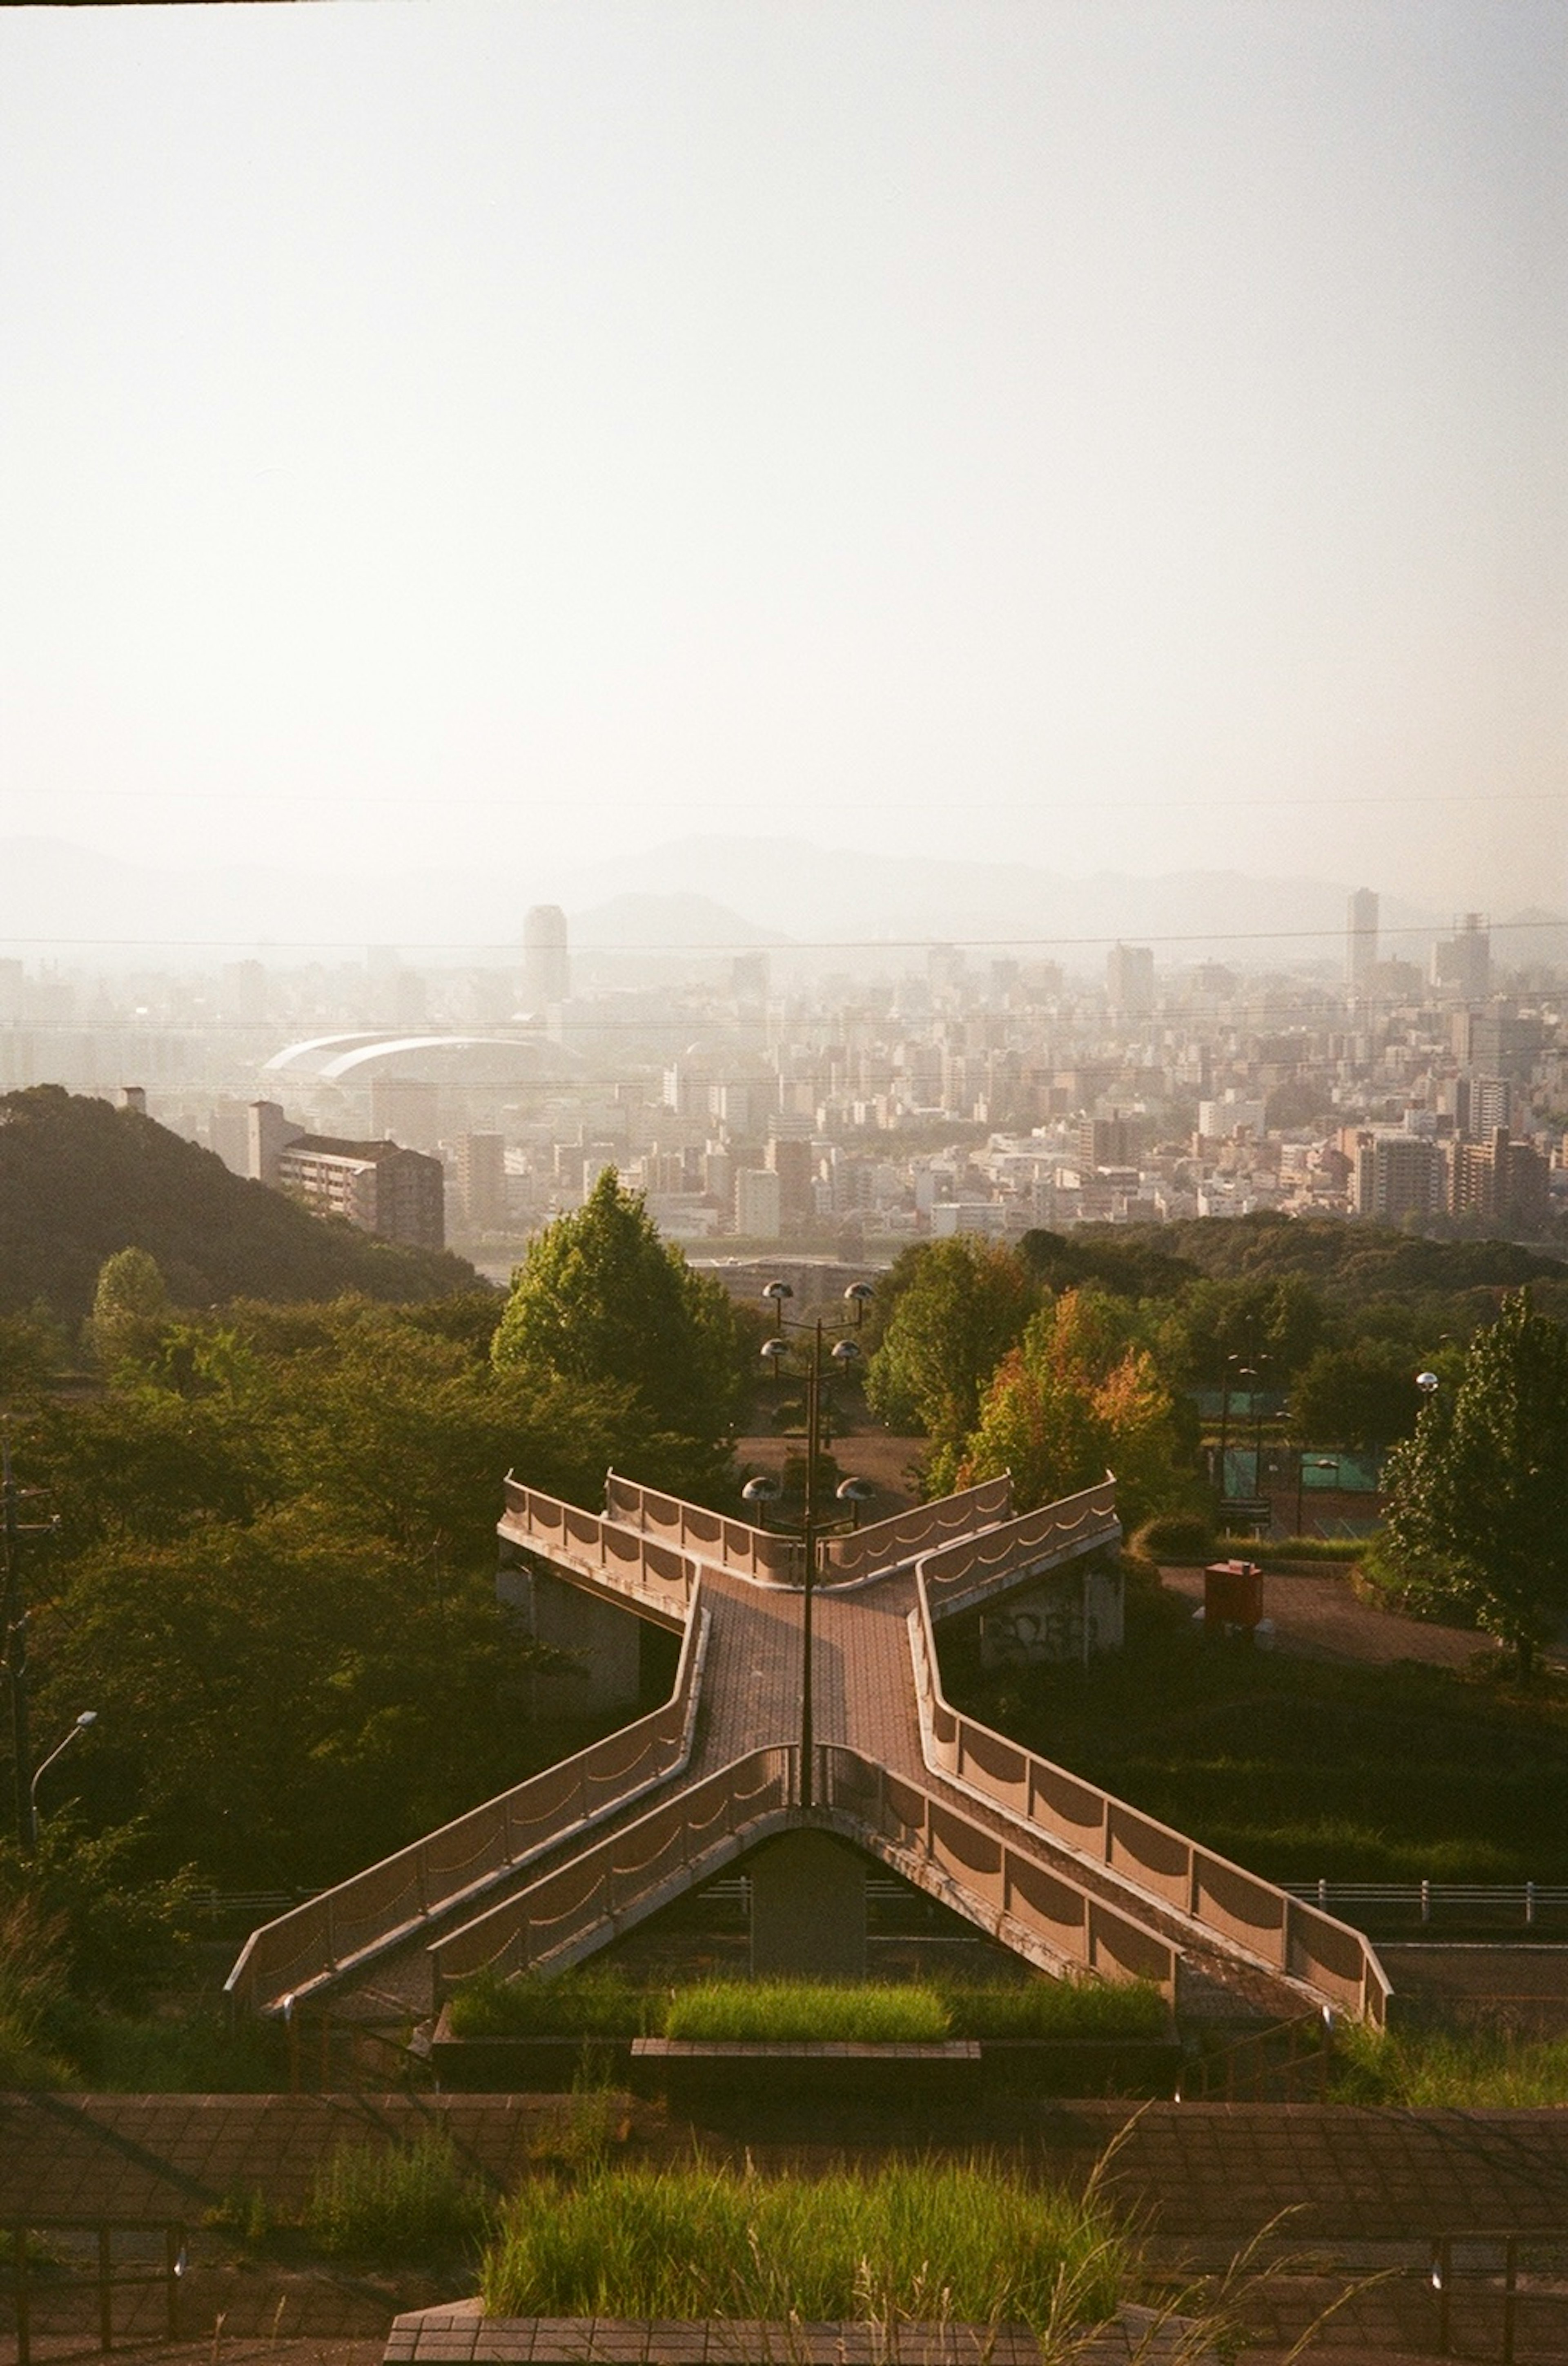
[1069, 1614]
[605, 1639]
[807, 1908]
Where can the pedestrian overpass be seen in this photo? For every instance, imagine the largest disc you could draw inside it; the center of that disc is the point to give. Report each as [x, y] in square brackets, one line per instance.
[1045, 1863]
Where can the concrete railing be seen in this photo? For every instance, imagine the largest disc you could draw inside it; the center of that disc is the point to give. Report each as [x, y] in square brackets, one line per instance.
[346, 1927]
[961, 1574]
[996, 1883]
[578, 1907]
[659, 1577]
[890, 1544]
[1235, 1908]
[709, 1536]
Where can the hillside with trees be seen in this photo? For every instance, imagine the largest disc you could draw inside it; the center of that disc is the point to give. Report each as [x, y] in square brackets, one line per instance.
[80, 1180]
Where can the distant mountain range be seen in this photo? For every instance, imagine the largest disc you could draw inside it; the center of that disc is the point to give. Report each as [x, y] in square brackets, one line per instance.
[699, 894]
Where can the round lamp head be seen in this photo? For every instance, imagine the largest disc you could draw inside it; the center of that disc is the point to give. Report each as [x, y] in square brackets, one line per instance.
[778, 1290]
[772, 1349]
[846, 1351]
[854, 1491]
[1426, 1383]
[860, 1293]
[760, 1490]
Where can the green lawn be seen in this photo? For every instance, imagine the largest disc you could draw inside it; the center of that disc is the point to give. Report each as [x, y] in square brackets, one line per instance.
[1298, 1768]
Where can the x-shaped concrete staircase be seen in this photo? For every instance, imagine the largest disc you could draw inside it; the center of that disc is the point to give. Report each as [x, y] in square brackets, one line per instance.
[1046, 1863]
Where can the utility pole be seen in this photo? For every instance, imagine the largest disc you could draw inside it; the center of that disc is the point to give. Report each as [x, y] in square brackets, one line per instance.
[15, 1619]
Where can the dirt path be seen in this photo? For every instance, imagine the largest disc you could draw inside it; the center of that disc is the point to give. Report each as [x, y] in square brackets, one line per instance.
[1319, 1616]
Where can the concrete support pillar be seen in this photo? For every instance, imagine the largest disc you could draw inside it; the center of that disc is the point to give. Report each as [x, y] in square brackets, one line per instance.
[606, 1642]
[807, 1908]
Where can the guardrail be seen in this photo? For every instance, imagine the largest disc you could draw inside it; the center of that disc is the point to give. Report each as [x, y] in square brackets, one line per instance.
[1031, 1910]
[1507, 2269]
[346, 1926]
[104, 2280]
[958, 1575]
[579, 1906]
[1252, 1916]
[1503, 1903]
[710, 1536]
[889, 1544]
[624, 1561]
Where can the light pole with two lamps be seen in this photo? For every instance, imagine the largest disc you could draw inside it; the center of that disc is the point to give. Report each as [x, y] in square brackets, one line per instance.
[761, 1491]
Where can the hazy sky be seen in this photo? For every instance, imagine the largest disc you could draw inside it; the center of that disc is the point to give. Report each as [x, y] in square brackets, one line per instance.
[1113, 436]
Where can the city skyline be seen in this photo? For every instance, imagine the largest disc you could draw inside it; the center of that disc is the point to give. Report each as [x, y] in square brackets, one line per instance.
[1094, 438]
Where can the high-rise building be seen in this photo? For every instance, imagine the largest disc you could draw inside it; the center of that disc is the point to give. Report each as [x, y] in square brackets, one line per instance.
[1361, 940]
[757, 1211]
[547, 962]
[789, 1157]
[482, 1180]
[1398, 1175]
[1129, 980]
[1463, 961]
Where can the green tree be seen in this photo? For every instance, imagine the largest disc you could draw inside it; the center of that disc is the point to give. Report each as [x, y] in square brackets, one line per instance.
[1078, 1396]
[601, 1301]
[1363, 1396]
[130, 1312]
[1478, 1496]
[958, 1310]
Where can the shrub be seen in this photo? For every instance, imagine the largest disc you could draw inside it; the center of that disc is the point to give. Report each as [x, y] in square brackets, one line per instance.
[778, 2011]
[396, 2203]
[1182, 1537]
[961, 2240]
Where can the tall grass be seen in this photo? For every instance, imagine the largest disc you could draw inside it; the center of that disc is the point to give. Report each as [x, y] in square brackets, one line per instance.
[572, 2004]
[863, 2013]
[969, 2242]
[1469, 2070]
[603, 2005]
[397, 2204]
[1066, 2010]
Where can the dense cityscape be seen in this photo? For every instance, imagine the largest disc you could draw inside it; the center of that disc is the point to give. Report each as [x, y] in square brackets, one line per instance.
[753, 1099]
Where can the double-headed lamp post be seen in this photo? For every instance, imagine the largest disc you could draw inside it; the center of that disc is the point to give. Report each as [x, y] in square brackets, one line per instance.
[851, 1492]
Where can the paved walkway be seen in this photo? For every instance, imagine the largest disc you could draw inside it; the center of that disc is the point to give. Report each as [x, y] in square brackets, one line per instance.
[1353, 2196]
[1209, 2176]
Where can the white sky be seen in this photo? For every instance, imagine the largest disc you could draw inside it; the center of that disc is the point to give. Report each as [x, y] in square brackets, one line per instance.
[1112, 436]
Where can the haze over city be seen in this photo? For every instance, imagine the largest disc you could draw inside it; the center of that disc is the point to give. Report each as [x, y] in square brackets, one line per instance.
[501, 446]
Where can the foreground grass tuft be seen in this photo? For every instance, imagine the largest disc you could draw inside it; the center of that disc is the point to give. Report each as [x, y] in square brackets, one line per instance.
[393, 2205]
[962, 2241]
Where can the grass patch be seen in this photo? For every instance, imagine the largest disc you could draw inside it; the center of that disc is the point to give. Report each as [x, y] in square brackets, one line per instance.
[775, 2011]
[964, 2241]
[573, 2004]
[393, 2204]
[1301, 1769]
[1066, 2011]
[1432, 2071]
[599, 2005]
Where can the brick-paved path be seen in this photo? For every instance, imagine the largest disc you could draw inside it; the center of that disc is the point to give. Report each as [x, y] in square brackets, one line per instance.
[1364, 2188]
[1208, 2175]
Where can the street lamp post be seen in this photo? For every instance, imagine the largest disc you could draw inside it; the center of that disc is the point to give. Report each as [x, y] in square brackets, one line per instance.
[13, 1630]
[844, 1352]
[89, 1717]
[1318, 1462]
